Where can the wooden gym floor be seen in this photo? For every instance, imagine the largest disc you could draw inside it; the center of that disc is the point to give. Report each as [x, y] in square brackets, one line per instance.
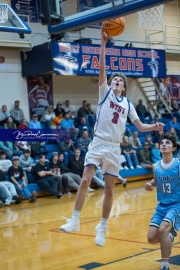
[30, 238]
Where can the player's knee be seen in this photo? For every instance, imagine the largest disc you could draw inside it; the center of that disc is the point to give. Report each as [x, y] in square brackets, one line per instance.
[164, 228]
[85, 183]
[151, 239]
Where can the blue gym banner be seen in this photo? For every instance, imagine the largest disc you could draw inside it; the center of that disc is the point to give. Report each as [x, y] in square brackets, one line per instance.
[30, 8]
[34, 135]
[83, 59]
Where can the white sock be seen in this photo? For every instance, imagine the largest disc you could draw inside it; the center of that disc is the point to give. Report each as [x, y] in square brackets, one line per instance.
[104, 221]
[164, 264]
[76, 214]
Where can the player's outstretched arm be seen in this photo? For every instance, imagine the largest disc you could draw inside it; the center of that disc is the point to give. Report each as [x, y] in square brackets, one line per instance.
[145, 127]
[102, 59]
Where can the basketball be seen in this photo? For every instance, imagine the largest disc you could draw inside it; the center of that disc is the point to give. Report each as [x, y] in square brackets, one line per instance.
[114, 27]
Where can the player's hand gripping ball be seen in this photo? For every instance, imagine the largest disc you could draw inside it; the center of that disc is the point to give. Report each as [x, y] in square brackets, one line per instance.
[114, 27]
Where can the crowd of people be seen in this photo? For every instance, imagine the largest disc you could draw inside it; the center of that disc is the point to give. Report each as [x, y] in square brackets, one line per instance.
[134, 153]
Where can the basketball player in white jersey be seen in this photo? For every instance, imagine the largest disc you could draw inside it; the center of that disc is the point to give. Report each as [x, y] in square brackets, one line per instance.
[165, 222]
[113, 109]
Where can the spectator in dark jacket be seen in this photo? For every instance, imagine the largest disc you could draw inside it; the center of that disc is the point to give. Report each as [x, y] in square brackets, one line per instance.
[59, 109]
[76, 163]
[67, 148]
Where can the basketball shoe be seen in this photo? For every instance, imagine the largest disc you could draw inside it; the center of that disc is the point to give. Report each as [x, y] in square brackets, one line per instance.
[101, 231]
[72, 224]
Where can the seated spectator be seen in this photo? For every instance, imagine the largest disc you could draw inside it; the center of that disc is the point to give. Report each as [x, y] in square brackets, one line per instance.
[84, 125]
[61, 181]
[7, 146]
[34, 123]
[9, 124]
[68, 125]
[17, 113]
[155, 153]
[56, 121]
[5, 163]
[144, 157]
[4, 114]
[129, 153]
[72, 178]
[22, 145]
[155, 119]
[134, 140]
[69, 109]
[59, 110]
[26, 163]
[84, 142]
[9, 191]
[16, 175]
[76, 163]
[143, 112]
[24, 124]
[48, 116]
[148, 138]
[83, 111]
[67, 148]
[44, 177]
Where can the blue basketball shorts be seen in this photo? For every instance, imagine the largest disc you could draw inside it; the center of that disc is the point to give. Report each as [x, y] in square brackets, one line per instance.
[168, 213]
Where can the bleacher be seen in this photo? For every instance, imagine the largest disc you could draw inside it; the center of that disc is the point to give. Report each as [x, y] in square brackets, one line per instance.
[130, 175]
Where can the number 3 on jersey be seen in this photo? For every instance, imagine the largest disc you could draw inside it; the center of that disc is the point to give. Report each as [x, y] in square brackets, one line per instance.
[116, 117]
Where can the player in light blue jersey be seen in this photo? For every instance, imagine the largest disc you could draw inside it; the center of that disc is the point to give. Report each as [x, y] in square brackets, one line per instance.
[165, 222]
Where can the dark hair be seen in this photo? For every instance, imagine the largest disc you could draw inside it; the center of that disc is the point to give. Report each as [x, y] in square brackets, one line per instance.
[77, 149]
[2, 153]
[119, 74]
[169, 137]
[26, 151]
[42, 155]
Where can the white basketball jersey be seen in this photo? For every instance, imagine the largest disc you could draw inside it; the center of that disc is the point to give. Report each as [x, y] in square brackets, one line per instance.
[112, 115]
